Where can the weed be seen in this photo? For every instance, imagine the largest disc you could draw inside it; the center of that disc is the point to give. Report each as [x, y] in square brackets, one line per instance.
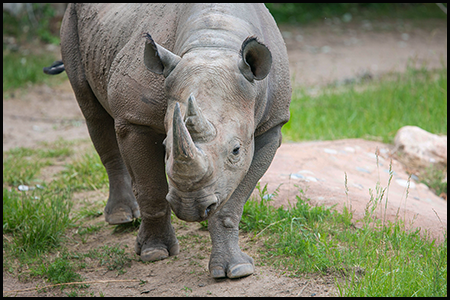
[61, 270]
[186, 289]
[114, 258]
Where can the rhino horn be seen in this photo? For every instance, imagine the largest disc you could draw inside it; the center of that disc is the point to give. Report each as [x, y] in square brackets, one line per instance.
[189, 162]
[198, 126]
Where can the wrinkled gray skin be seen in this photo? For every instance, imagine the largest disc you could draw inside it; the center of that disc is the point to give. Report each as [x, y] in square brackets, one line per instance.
[201, 98]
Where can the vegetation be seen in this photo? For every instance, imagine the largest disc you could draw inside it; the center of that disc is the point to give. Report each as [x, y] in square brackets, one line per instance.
[373, 259]
[305, 13]
[373, 110]
[25, 50]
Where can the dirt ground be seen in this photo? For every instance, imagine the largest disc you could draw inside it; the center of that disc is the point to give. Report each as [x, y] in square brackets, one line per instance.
[333, 52]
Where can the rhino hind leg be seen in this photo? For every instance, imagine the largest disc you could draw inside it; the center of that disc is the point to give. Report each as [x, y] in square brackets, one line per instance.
[122, 206]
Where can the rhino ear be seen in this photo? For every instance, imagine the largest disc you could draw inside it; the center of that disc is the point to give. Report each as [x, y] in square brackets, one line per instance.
[256, 59]
[158, 59]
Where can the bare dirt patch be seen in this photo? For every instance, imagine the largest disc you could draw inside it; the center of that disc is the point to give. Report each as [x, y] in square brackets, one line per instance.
[318, 55]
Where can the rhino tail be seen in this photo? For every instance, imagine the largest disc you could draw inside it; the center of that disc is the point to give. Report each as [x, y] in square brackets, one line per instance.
[56, 68]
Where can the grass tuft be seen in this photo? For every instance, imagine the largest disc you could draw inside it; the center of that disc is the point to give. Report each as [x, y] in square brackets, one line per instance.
[37, 220]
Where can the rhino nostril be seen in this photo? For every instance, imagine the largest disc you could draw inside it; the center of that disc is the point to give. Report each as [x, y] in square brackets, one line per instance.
[209, 208]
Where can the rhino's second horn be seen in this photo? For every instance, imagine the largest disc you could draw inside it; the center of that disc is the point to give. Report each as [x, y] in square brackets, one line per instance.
[198, 126]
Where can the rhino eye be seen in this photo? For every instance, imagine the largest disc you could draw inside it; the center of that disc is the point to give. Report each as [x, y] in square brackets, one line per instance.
[236, 150]
[234, 156]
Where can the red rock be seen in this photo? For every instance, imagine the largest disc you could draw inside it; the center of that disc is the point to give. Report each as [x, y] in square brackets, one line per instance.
[320, 173]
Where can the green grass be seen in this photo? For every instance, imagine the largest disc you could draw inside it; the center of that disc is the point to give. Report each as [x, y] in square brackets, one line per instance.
[24, 48]
[87, 173]
[374, 110]
[304, 13]
[378, 259]
[36, 220]
[61, 270]
[23, 70]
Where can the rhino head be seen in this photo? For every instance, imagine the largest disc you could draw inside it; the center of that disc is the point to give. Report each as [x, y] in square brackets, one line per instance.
[209, 121]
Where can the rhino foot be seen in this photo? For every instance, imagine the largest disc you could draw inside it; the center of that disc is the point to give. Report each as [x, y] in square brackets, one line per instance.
[152, 254]
[121, 207]
[121, 214]
[239, 266]
[156, 242]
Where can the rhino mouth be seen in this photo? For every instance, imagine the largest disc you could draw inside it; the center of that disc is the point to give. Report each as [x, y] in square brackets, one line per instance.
[192, 208]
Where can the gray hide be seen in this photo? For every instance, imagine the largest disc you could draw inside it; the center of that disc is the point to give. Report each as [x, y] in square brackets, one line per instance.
[195, 91]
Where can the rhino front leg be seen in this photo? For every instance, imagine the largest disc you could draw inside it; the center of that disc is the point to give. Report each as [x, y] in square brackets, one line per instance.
[143, 153]
[227, 259]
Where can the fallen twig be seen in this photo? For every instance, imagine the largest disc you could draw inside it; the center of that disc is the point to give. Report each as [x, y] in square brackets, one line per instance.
[301, 291]
[70, 283]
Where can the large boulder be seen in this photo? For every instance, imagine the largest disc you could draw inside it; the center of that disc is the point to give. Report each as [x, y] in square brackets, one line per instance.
[346, 172]
[418, 149]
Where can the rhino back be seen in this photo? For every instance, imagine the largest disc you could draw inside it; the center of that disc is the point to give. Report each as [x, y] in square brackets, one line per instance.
[111, 47]
[104, 31]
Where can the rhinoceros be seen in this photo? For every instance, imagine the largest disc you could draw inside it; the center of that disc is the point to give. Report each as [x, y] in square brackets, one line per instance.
[197, 92]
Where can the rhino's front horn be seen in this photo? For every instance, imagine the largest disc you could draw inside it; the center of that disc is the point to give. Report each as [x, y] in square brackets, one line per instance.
[199, 127]
[188, 160]
[183, 145]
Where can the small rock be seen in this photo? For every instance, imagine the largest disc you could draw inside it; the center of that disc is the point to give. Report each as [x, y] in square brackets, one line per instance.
[297, 176]
[313, 179]
[363, 170]
[330, 151]
[350, 149]
[418, 148]
[24, 188]
[404, 183]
